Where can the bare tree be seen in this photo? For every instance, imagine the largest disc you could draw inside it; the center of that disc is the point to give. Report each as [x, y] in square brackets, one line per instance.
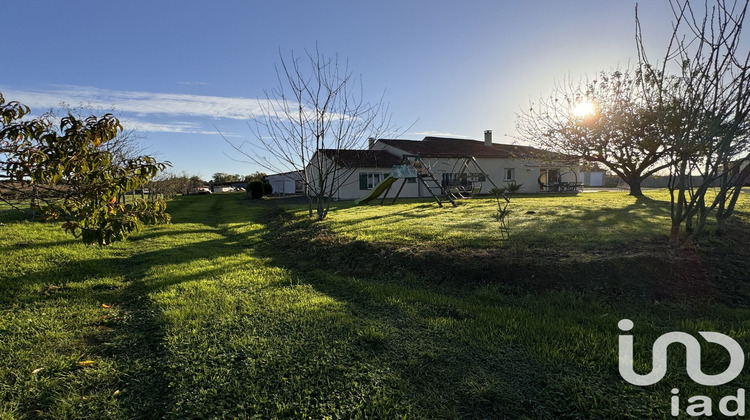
[605, 120]
[703, 110]
[316, 111]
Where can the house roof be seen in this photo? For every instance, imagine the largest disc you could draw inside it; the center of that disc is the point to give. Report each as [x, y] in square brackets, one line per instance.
[287, 173]
[349, 158]
[451, 147]
[293, 175]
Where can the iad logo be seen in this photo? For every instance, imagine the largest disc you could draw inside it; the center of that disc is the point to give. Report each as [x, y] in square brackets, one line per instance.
[702, 404]
[693, 356]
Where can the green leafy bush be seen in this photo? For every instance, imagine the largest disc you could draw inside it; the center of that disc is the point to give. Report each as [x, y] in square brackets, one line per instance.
[68, 174]
[255, 189]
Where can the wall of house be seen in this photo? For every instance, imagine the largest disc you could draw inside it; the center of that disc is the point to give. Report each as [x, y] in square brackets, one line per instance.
[500, 171]
[281, 186]
[312, 172]
[353, 187]
[350, 186]
[742, 168]
[493, 168]
[284, 184]
[592, 178]
[522, 172]
[348, 182]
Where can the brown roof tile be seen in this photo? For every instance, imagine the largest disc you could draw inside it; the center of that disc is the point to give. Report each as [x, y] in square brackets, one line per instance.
[451, 147]
[349, 158]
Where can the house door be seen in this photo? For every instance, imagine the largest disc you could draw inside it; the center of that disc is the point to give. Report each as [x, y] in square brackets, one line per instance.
[597, 179]
[548, 178]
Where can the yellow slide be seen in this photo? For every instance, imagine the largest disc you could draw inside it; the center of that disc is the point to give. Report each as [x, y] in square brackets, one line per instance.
[377, 191]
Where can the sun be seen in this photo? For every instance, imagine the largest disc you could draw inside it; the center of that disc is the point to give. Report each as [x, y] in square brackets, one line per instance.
[583, 109]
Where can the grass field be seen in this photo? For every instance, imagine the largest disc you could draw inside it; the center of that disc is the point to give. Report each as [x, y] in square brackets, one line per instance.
[241, 309]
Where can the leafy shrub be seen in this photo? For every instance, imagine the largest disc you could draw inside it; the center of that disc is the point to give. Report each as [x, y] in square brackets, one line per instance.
[255, 189]
[502, 207]
[267, 188]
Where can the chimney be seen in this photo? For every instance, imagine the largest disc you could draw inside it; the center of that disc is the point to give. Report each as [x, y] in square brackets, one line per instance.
[370, 142]
[488, 138]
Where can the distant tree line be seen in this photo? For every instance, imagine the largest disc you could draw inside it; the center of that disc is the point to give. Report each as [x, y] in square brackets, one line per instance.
[224, 178]
[168, 185]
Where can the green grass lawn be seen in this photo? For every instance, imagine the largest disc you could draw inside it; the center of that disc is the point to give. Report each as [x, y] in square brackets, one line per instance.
[557, 221]
[241, 309]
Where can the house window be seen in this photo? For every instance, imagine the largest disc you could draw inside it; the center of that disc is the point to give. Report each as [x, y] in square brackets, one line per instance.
[449, 179]
[509, 174]
[368, 180]
[466, 180]
[373, 179]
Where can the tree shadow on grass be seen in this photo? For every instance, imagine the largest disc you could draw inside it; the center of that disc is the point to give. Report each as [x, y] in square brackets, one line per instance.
[400, 297]
[143, 339]
[360, 274]
[645, 272]
[643, 221]
[471, 379]
[130, 333]
[615, 276]
[25, 244]
[403, 291]
[9, 214]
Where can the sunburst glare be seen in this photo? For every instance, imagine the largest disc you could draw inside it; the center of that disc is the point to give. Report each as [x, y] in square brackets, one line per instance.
[584, 109]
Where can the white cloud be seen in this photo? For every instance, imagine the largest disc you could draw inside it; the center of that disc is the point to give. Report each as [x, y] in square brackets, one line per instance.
[439, 134]
[141, 103]
[171, 127]
[193, 83]
[153, 110]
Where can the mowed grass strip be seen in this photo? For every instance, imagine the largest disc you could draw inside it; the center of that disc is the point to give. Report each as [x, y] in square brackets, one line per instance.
[51, 313]
[210, 317]
[539, 220]
[180, 321]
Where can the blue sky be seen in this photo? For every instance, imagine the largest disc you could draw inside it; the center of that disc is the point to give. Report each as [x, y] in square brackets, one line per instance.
[180, 71]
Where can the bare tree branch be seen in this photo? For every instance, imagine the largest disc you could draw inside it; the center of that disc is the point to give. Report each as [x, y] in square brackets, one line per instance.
[317, 110]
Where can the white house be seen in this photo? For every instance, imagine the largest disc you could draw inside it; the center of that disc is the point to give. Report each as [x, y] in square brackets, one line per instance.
[359, 171]
[593, 178]
[286, 183]
[355, 172]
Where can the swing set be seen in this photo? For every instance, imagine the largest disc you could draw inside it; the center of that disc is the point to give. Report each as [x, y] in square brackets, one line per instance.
[464, 181]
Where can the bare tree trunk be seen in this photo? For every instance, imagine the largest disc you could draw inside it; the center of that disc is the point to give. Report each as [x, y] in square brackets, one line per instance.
[675, 238]
[729, 200]
[32, 202]
[321, 208]
[701, 216]
[316, 111]
[704, 107]
[635, 187]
